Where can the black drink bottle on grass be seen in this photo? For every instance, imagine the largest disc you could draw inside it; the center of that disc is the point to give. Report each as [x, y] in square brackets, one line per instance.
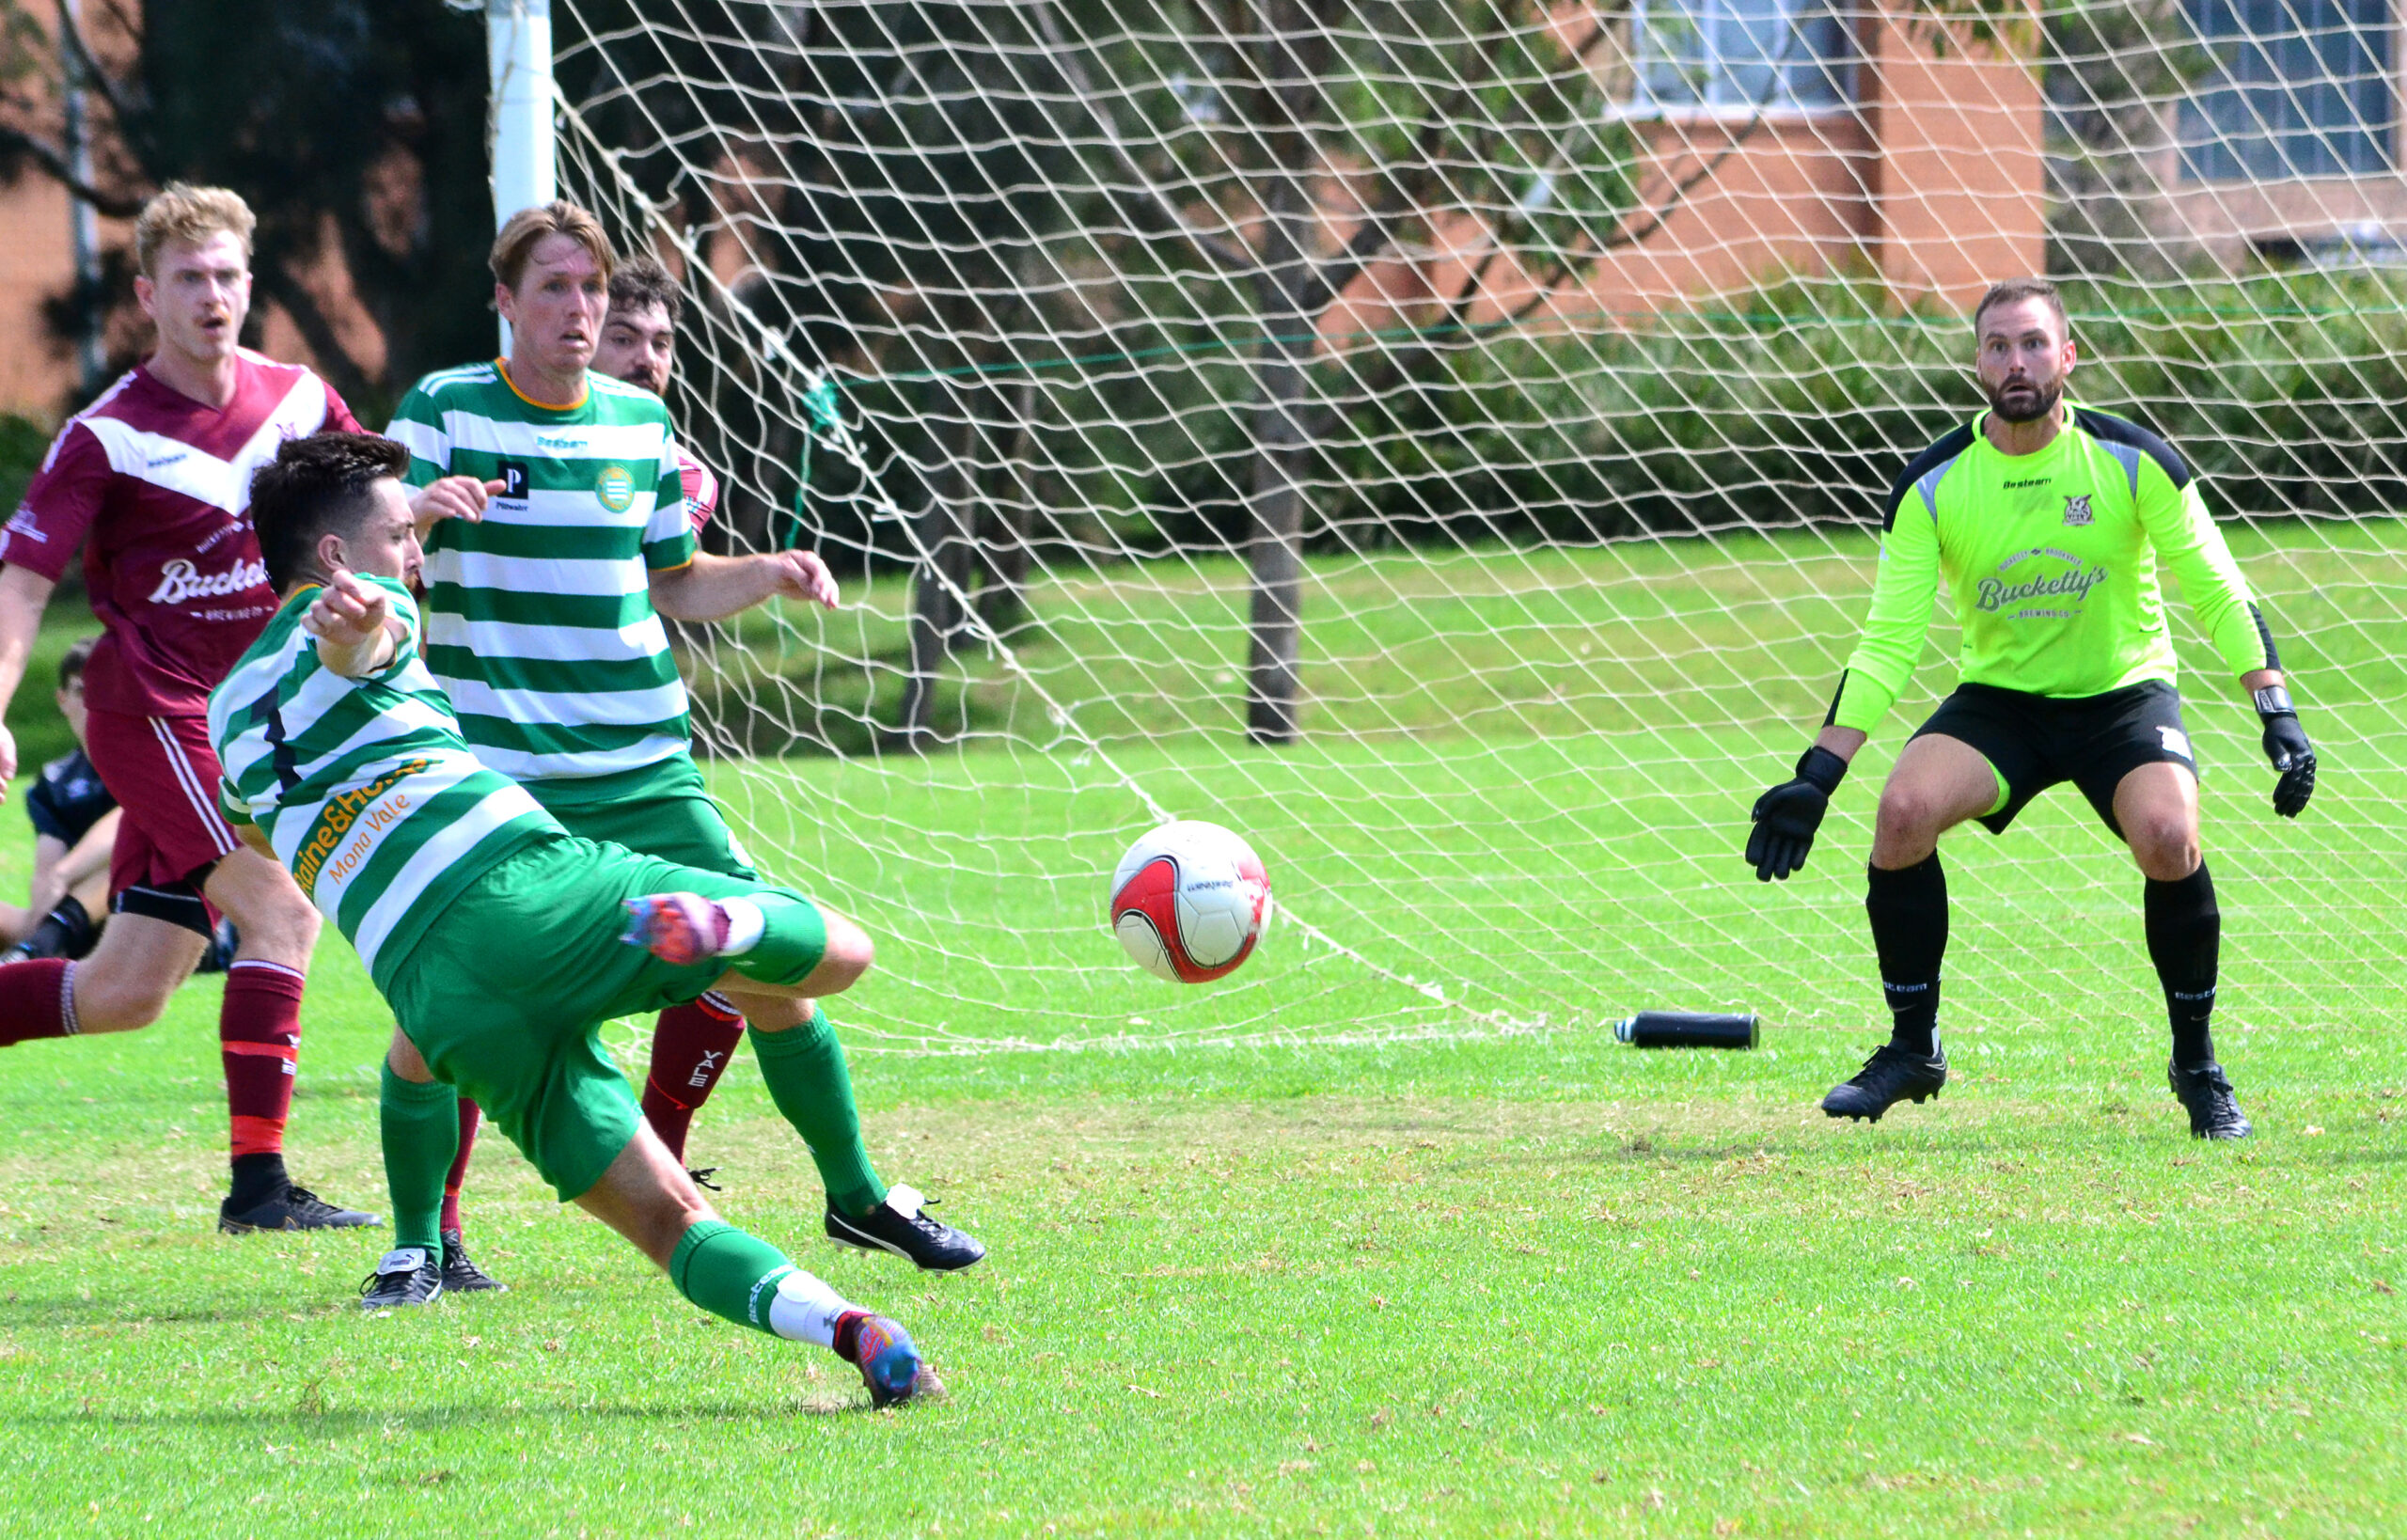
[1687, 1029]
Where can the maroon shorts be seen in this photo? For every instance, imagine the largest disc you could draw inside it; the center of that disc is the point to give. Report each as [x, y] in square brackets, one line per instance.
[165, 774]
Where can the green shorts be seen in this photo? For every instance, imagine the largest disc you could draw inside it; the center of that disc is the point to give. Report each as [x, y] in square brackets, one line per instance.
[656, 809]
[506, 992]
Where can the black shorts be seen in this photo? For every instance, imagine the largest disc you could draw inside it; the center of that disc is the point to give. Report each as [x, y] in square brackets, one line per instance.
[2035, 741]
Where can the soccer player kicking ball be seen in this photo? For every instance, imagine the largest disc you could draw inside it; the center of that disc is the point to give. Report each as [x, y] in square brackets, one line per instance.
[153, 480]
[2047, 519]
[546, 580]
[501, 940]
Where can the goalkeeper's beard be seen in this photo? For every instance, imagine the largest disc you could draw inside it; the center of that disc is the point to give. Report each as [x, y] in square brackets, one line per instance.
[2030, 403]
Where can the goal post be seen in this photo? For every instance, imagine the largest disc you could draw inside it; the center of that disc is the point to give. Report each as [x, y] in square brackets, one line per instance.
[1444, 442]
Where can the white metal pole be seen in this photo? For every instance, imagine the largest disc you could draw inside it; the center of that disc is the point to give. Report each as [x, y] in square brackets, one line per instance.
[83, 224]
[518, 43]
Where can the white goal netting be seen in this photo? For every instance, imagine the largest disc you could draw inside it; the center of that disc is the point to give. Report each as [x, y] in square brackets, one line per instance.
[1444, 441]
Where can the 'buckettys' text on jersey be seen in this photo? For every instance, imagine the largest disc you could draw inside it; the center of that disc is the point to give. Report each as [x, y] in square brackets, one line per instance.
[363, 786]
[2052, 561]
[538, 620]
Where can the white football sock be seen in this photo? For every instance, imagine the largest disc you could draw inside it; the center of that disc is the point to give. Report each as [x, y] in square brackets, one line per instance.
[804, 1309]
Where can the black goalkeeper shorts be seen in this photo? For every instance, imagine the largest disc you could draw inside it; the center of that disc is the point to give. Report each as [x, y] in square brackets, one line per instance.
[2035, 741]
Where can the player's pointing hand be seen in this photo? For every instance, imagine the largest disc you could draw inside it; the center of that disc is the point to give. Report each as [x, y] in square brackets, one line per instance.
[453, 498]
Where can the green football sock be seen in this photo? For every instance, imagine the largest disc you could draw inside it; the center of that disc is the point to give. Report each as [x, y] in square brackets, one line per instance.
[744, 1279]
[421, 1129]
[807, 1078]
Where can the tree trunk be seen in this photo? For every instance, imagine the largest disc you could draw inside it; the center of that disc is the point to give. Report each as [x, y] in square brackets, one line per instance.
[947, 551]
[1282, 449]
[1002, 525]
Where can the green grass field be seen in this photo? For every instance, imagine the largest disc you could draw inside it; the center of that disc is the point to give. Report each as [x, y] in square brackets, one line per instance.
[1313, 1252]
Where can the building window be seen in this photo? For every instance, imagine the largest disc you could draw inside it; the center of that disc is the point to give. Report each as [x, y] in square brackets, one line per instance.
[2301, 88]
[1742, 55]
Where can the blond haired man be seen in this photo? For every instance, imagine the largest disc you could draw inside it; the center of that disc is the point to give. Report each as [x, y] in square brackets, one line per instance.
[152, 482]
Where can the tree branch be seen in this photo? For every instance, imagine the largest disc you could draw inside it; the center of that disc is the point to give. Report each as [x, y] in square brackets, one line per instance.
[334, 362]
[53, 161]
[1221, 252]
[90, 70]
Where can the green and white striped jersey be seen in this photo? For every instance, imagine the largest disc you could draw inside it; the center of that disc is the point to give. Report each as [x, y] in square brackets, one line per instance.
[363, 786]
[538, 620]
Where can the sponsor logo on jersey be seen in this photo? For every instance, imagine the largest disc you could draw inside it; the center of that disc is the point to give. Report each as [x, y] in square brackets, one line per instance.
[2077, 510]
[22, 522]
[157, 461]
[179, 580]
[1996, 594]
[2018, 486]
[560, 443]
[616, 487]
[341, 812]
[515, 480]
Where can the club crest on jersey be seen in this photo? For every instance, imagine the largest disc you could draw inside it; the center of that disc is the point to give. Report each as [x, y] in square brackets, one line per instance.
[616, 488]
[2077, 510]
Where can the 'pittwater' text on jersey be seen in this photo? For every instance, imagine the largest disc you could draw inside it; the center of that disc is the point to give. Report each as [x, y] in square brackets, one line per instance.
[540, 623]
[2050, 560]
[363, 786]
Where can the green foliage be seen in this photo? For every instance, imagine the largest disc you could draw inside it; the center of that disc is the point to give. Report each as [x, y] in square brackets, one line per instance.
[23, 443]
[1804, 402]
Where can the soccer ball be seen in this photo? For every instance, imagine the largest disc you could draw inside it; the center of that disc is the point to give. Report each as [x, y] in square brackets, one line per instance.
[1189, 902]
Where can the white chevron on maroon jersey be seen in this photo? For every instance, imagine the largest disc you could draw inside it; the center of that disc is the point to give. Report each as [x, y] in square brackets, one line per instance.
[156, 487]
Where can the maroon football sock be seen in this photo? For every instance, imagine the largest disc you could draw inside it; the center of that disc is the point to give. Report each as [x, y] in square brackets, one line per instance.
[36, 999]
[258, 1032]
[690, 1046]
[472, 1116]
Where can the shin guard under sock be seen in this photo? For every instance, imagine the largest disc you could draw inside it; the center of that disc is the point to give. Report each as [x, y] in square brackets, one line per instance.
[259, 1036]
[472, 1118]
[744, 1279]
[1908, 914]
[2185, 942]
[804, 1071]
[691, 1044]
[421, 1129]
[36, 999]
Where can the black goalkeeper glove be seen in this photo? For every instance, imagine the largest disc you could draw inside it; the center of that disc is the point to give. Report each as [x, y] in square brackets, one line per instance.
[2286, 747]
[1787, 815]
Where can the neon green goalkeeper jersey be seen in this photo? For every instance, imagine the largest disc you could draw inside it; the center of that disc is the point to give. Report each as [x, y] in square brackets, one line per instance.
[363, 786]
[538, 620]
[2052, 561]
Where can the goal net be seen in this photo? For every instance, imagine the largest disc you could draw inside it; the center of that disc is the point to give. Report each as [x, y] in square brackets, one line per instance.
[1445, 442]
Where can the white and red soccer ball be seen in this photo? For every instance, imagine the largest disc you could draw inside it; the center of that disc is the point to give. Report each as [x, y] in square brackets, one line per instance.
[1189, 902]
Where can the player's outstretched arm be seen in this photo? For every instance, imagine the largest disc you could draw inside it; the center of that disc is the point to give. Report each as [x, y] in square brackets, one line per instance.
[2286, 743]
[713, 587]
[24, 595]
[355, 624]
[1787, 817]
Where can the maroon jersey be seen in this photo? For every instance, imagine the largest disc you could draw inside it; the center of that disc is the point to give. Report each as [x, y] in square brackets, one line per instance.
[701, 489]
[156, 487]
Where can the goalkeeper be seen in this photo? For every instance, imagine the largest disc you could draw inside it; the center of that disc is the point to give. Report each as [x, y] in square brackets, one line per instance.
[491, 930]
[2047, 520]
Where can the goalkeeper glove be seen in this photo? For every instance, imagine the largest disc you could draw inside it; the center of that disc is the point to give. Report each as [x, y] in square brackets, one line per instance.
[2286, 747]
[1787, 815]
